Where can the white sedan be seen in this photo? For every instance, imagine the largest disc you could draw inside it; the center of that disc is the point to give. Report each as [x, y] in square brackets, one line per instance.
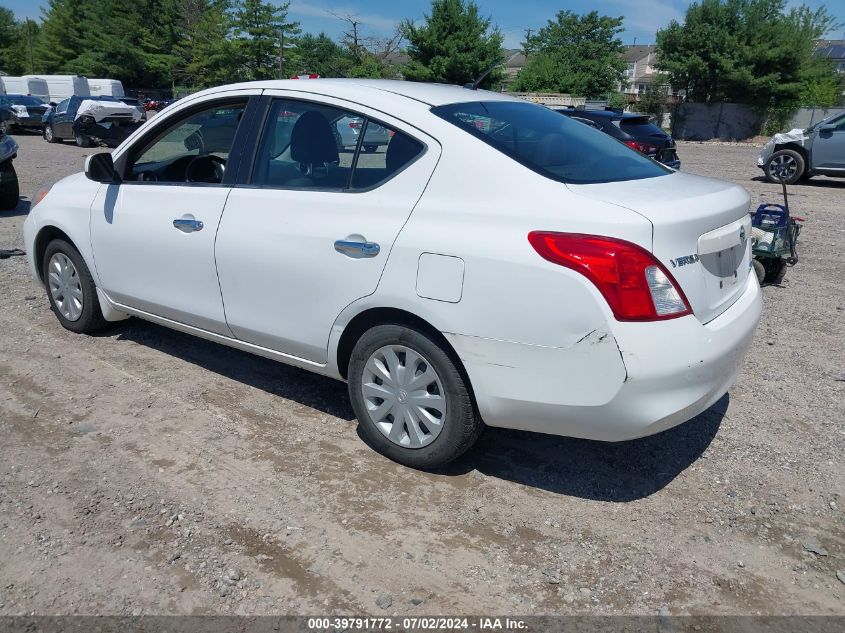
[495, 264]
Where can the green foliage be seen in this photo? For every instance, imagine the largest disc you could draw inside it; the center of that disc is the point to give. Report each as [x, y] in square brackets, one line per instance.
[60, 40]
[575, 54]
[318, 54]
[205, 53]
[746, 51]
[18, 54]
[258, 31]
[618, 100]
[653, 100]
[455, 45]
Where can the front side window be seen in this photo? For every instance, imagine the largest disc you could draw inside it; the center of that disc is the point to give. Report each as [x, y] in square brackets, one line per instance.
[315, 146]
[554, 146]
[194, 149]
[62, 107]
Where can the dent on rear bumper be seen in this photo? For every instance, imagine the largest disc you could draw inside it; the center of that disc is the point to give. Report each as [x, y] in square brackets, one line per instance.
[628, 381]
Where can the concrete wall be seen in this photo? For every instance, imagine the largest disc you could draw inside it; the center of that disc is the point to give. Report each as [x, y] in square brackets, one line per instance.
[708, 121]
[733, 121]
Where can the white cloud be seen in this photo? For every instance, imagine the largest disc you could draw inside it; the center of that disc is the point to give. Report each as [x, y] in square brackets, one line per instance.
[645, 15]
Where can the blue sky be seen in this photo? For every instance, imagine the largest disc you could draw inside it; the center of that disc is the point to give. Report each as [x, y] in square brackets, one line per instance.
[642, 17]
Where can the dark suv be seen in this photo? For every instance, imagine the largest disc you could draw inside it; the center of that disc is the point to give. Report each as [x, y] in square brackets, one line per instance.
[635, 130]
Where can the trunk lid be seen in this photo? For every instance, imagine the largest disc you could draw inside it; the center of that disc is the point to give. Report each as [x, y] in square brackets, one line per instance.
[701, 231]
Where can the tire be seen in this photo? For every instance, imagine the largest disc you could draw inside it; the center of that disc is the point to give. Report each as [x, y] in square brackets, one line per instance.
[49, 136]
[370, 149]
[89, 317]
[788, 160]
[82, 140]
[5, 127]
[454, 430]
[759, 270]
[9, 189]
[775, 270]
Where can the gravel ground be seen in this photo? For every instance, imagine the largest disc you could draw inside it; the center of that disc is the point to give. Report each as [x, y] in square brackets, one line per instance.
[145, 471]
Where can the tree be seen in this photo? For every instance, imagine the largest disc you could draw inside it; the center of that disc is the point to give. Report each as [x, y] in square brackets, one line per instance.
[260, 30]
[318, 54]
[205, 53]
[653, 100]
[575, 54]
[9, 31]
[747, 51]
[455, 45]
[60, 39]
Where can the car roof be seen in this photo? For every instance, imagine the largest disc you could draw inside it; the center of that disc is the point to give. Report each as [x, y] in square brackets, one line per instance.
[604, 114]
[428, 93]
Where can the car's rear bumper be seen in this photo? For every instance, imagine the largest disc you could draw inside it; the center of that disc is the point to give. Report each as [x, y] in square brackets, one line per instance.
[634, 379]
[28, 122]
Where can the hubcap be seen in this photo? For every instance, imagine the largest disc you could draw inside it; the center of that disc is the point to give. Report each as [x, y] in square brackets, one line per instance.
[404, 396]
[65, 287]
[48, 132]
[784, 166]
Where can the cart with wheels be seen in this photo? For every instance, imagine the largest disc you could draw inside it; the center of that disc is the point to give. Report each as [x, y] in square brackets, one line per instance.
[774, 237]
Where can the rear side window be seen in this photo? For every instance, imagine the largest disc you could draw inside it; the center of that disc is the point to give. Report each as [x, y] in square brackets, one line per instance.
[309, 145]
[554, 146]
[640, 126]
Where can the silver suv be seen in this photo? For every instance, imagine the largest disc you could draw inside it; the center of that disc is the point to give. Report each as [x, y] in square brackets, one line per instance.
[801, 154]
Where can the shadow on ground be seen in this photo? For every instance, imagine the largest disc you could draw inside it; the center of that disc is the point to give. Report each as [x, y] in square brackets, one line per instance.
[602, 471]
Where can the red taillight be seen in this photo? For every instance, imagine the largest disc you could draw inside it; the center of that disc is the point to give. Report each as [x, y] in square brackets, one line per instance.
[635, 285]
[645, 148]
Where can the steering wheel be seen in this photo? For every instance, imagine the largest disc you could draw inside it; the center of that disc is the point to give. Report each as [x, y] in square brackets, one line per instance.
[147, 176]
[208, 168]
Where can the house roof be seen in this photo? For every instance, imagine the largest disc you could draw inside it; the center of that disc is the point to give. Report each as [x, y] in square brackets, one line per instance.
[831, 49]
[636, 52]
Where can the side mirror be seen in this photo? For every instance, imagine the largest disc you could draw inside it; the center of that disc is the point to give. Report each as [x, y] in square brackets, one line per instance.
[100, 168]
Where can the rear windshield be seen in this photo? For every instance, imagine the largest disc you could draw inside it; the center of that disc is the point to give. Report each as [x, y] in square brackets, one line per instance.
[550, 144]
[641, 126]
[24, 100]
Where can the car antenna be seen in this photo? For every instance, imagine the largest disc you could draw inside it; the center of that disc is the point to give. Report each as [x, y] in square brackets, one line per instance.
[473, 85]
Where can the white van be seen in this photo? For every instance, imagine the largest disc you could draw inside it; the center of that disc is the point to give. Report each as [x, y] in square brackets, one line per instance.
[107, 87]
[26, 86]
[63, 87]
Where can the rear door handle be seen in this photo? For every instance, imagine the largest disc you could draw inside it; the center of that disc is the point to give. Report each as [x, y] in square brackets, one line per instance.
[357, 250]
[187, 225]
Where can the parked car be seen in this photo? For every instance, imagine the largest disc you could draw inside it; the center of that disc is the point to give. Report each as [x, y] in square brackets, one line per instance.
[635, 130]
[525, 273]
[89, 120]
[25, 112]
[801, 154]
[9, 190]
[156, 104]
[350, 128]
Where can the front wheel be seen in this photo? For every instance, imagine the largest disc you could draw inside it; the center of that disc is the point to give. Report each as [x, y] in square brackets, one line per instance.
[9, 188]
[82, 140]
[70, 288]
[410, 397]
[785, 165]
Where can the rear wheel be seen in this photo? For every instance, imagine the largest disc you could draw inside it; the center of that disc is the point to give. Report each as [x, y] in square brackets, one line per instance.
[5, 127]
[49, 134]
[775, 270]
[412, 401]
[785, 164]
[82, 140]
[9, 188]
[370, 149]
[70, 288]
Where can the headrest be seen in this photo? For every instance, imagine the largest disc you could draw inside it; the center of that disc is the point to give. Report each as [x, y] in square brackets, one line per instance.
[312, 141]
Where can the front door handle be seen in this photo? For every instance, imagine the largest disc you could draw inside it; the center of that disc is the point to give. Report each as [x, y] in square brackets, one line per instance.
[188, 225]
[357, 250]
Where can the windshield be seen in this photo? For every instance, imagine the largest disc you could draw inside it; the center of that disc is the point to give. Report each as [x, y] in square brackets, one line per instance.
[554, 146]
[24, 100]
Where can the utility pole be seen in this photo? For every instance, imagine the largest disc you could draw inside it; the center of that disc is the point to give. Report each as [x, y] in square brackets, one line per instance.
[281, 53]
[29, 24]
